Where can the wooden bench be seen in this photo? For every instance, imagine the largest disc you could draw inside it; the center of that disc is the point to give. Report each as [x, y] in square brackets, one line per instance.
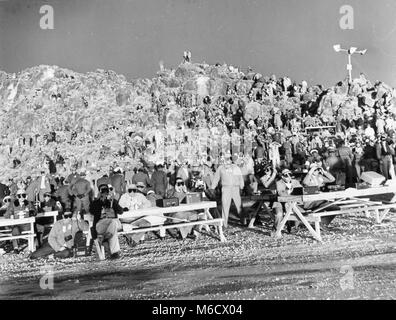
[349, 200]
[28, 235]
[130, 216]
[163, 227]
[380, 211]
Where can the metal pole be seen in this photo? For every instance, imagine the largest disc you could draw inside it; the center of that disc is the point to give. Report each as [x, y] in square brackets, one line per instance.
[350, 67]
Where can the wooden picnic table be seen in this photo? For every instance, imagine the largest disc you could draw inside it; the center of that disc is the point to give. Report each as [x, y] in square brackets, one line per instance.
[351, 201]
[259, 200]
[131, 216]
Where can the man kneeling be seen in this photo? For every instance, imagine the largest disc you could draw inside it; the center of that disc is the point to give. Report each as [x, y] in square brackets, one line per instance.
[61, 237]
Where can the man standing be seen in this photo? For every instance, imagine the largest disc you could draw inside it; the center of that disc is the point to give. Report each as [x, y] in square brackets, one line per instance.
[232, 183]
[159, 180]
[82, 191]
[73, 176]
[141, 176]
[346, 158]
[384, 154]
[64, 197]
[117, 180]
[42, 185]
[105, 210]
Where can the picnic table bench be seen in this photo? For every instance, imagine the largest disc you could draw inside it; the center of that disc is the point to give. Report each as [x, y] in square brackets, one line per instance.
[28, 235]
[259, 200]
[349, 201]
[207, 219]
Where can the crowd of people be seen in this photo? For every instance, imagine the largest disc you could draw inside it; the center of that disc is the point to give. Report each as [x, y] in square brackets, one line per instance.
[303, 137]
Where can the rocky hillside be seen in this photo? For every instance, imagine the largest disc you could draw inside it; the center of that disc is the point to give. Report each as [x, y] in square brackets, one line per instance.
[102, 117]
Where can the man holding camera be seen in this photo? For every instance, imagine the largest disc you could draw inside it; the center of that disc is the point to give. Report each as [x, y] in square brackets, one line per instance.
[385, 152]
[105, 210]
[61, 237]
[318, 177]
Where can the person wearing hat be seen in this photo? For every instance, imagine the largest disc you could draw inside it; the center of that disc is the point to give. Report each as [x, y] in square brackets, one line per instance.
[314, 156]
[73, 176]
[61, 237]
[141, 176]
[184, 173]
[153, 197]
[385, 152]
[63, 195]
[141, 187]
[82, 192]
[319, 177]
[179, 190]
[332, 162]
[135, 200]
[284, 187]
[159, 180]
[42, 185]
[49, 204]
[346, 157]
[230, 176]
[105, 210]
[20, 207]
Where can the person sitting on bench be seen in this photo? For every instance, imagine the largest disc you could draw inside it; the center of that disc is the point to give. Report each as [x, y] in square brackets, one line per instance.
[19, 208]
[318, 177]
[105, 211]
[134, 200]
[49, 204]
[61, 237]
[284, 187]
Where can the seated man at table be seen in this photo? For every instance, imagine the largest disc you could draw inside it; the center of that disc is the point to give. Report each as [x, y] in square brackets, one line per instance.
[319, 177]
[284, 187]
[61, 237]
[105, 210]
[20, 208]
[179, 191]
[134, 200]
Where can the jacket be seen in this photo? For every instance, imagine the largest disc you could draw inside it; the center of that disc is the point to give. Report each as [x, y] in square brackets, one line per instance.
[229, 176]
[141, 177]
[62, 229]
[159, 182]
[96, 209]
[118, 183]
[81, 187]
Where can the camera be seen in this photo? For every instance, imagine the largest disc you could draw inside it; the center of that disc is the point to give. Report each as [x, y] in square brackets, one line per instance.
[106, 204]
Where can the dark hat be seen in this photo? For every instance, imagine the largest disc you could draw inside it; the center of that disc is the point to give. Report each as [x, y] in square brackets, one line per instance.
[103, 186]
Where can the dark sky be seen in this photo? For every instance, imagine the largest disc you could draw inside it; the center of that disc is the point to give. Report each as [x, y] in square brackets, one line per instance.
[285, 37]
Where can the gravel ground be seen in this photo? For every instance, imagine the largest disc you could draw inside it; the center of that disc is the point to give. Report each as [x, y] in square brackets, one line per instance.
[357, 260]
